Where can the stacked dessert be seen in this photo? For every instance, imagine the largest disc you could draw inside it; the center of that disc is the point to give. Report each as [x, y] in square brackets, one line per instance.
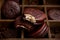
[32, 20]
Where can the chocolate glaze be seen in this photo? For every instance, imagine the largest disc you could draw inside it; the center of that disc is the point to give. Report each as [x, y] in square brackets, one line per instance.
[10, 9]
[54, 14]
[38, 31]
[19, 21]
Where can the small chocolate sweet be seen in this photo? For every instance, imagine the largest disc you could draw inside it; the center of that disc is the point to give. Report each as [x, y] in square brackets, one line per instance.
[36, 13]
[54, 14]
[10, 9]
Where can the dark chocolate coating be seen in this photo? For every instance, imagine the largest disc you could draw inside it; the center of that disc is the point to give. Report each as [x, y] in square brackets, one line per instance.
[54, 14]
[40, 32]
[19, 21]
[10, 9]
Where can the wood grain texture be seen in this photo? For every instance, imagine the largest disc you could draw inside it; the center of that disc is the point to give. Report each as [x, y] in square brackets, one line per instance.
[29, 39]
[1, 2]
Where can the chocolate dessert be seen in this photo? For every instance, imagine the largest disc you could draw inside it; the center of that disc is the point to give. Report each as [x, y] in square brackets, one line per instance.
[38, 15]
[10, 9]
[20, 23]
[54, 14]
[39, 31]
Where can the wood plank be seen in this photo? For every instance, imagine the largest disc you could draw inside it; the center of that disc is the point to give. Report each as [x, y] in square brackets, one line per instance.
[31, 39]
[53, 20]
[40, 5]
[6, 20]
[33, 5]
[52, 5]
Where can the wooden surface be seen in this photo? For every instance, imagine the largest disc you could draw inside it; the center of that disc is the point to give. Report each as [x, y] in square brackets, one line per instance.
[1, 2]
[29, 39]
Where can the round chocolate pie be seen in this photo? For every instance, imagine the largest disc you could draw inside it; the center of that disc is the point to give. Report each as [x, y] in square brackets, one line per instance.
[38, 15]
[54, 14]
[10, 9]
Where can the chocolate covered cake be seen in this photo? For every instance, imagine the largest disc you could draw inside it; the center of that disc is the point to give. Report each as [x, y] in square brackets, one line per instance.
[10, 9]
[38, 15]
[54, 14]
